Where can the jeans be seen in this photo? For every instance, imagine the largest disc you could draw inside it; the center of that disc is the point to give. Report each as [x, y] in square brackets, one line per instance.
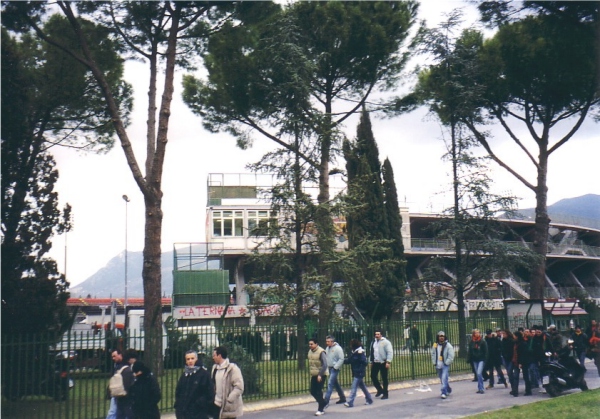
[376, 368]
[358, 382]
[478, 367]
[509, 371]
[112, 410]
[534, 375]
[333, 382]
[581, 356]
[443, 373]
[316, 390]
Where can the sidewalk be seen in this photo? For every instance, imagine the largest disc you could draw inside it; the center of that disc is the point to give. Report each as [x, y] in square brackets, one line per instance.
[407, 400]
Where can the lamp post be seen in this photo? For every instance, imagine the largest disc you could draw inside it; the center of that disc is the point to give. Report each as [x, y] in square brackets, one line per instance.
[126, 199]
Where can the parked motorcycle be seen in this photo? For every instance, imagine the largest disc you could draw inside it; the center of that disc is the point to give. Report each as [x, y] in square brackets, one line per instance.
[562, 374]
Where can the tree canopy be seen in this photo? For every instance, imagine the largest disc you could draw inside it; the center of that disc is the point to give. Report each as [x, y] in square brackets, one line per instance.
[539, 71]
[307, 69]
[48, 100]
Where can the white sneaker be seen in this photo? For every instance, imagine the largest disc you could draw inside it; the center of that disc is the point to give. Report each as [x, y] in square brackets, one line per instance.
[319, 413]
[443, 396]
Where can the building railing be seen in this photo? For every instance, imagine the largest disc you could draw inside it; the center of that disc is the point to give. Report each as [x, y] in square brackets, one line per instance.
[441, 246]
[267, 354]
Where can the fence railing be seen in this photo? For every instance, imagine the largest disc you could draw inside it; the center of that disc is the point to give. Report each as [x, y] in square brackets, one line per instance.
[44, 377]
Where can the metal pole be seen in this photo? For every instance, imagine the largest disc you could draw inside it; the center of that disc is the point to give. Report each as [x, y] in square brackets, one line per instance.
[126, 199]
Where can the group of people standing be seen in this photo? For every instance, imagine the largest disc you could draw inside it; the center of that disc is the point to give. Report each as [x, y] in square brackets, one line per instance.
[198, 395]
[327, 362]
[522, 352]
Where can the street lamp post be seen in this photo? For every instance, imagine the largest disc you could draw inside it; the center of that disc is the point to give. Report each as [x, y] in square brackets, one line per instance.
[126, 199]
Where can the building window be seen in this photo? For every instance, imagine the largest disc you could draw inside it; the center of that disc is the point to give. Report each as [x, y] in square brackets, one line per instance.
[228, 223]
[258, 222]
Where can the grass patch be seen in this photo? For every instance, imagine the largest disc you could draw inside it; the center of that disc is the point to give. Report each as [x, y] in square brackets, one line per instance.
[585, 404]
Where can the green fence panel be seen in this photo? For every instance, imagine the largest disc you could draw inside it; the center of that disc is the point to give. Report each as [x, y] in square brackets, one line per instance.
[272, 359]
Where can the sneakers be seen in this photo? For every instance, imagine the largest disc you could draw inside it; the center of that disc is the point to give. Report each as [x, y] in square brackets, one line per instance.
[379, 393]
[347, 404]
[340, 401]
[319, 413]
[542, 391]
[368, 402]
[444, 396]
[480, 392]
[384, 397]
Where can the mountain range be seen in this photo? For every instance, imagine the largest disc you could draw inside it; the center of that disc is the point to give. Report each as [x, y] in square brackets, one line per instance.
[109, 281]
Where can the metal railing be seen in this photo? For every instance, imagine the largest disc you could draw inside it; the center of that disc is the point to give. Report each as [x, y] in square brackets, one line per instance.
[37, 371]
[554, 249]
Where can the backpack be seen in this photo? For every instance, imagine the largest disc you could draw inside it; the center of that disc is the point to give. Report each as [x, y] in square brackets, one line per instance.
[115, 385]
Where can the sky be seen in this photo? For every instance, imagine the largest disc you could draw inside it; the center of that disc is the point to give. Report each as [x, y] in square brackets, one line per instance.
[95, 184]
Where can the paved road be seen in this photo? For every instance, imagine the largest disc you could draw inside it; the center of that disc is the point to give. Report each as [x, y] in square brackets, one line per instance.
[407, 401]
[411, 403]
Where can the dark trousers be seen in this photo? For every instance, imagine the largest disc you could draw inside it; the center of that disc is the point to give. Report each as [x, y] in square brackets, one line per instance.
[124, 410]
[490, 368]
[376, 368]
[514, 385]
[316, 390]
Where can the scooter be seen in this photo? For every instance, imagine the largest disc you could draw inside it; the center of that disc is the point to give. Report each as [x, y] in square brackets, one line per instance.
[562, 374]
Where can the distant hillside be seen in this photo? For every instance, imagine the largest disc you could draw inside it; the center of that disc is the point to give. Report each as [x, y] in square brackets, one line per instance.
[582, 210]
[110, 280]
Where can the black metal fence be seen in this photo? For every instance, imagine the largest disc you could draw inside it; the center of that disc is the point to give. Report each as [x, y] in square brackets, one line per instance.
[44, 377]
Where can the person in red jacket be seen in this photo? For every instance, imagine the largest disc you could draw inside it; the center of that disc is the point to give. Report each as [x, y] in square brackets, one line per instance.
[593, 332]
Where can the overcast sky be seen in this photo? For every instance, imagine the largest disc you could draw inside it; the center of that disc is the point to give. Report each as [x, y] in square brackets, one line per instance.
[94, 184]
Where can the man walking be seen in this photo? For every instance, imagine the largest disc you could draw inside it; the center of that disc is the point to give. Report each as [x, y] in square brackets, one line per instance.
[121, 402]
[317, 363]
[335, 360]
[494, 359]
[381, 359]
[229, 386]
[442, 355]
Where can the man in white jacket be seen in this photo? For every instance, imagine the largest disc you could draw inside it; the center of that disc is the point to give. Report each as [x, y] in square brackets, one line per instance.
[381, 359]
[229, 386]
[442, 355]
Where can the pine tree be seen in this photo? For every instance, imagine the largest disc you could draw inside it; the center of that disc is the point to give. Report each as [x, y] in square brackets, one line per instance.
[374, 225]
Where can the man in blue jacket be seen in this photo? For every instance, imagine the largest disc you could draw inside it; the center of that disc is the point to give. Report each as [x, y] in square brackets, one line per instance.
[381, 359]
[442, 355]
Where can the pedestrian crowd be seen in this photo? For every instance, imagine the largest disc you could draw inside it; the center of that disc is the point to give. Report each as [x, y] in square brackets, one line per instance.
[325, 364]
[500, 357]
[523, 352]
[134, 391]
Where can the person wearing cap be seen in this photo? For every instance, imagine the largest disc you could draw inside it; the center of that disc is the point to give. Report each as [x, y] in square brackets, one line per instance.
[442, 355]
[555, 340]
[580, 344]
[145, 393]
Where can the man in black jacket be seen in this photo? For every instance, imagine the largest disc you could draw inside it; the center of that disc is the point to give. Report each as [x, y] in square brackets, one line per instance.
[494, 359]
[123, 403]
[194, 393]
